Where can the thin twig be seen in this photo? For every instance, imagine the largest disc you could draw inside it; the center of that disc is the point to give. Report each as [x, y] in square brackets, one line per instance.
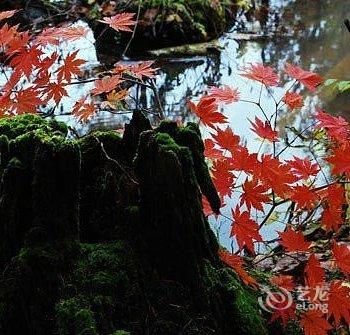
[120, 166]
[134, 31]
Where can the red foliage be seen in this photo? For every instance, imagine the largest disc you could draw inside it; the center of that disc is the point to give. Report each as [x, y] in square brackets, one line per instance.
[226, 94]
[304, 197]
[303, 168]
[308, 79]
[338, 302]
[264, 74]
[293, 100]
[206, 110]
[106, 84]
[294, 240]
[226, 139]
[244, 229]
[314, 323]
[264, 130]
[314, 274]
[120, 22]
[254, 195]
[337, 127]
[341, 255]
[70, 67]
[340, 160]
[236, 263]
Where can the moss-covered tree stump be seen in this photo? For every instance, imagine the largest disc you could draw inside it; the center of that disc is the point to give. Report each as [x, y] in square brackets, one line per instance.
[106, 235]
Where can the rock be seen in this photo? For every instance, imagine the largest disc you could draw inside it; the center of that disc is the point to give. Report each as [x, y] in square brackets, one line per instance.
[196, 49]
[163, 25]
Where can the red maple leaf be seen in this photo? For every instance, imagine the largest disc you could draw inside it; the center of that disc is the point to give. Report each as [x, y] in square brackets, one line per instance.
[120, 22]
[334, 194]
[18, 43]
[122, 67]
[6, 104]
[223, 177]
[226, 139]
[313, 323]
[83, 111]
[264, 130]
[309, 79]
[261, 73]
[293, 100]
[274, 174]
[304, 197]
[332, 218]
[55, 91]
[283, 281]
[341, 254]
[254, 195]
[206, 110]
[27, 101]
[244, 229]
[294, 240]
[334, 199]
[236, 263]
[226, 94]
[337, 127]
[210, 151]
[7, 35]
[143, 69]
[303, 168]
[339, 302]
[46, 63]
[242, 160]
[27, 60]
[54, 35]
[340, 160]
[70, 67]
[12, 82]
[106, 84]
[314, 273]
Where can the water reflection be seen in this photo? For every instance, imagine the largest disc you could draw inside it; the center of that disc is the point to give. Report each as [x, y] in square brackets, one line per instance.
[310, 33]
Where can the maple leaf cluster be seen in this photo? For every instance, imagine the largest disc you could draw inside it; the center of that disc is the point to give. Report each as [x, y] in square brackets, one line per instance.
[37, 77]
[257, 183]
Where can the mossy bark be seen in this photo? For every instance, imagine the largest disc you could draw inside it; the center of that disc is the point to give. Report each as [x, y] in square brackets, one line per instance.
[106, 235]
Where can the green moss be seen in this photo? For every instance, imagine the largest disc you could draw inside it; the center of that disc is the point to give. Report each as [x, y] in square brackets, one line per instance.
[104, 281]
[12, 127]
[101, 182]
[244, 315]
[248, 312]
[73, 316]
[190, 137]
